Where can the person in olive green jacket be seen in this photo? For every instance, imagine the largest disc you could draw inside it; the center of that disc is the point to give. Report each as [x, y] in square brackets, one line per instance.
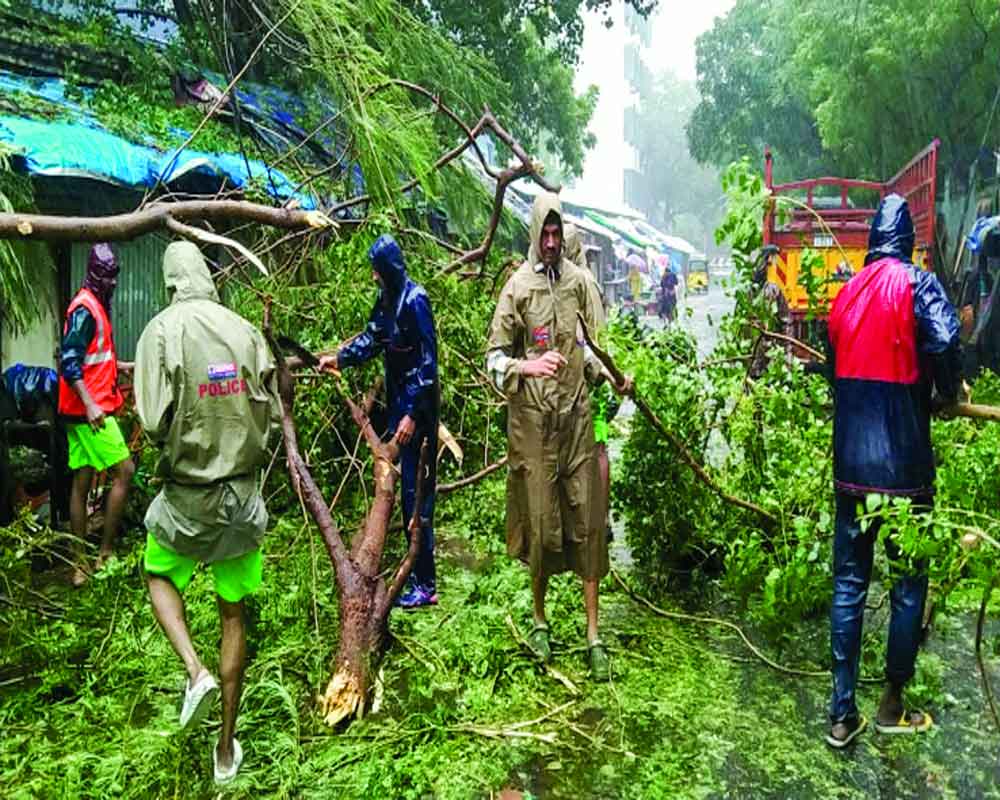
[604, 404]
[538, 360]
[206, 392]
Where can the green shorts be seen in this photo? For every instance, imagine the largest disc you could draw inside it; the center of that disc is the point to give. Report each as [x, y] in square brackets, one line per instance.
[235, 578]
[98, 449]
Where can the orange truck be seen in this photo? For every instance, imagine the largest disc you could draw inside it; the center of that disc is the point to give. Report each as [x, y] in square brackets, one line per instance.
[832, 217]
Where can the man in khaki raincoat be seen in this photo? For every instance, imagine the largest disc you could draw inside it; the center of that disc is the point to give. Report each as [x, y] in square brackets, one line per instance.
[538, 360]
[205, 391]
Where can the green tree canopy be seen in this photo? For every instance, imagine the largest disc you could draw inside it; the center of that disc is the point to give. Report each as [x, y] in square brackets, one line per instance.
[534, 45]
[747, 99]
[859, 90]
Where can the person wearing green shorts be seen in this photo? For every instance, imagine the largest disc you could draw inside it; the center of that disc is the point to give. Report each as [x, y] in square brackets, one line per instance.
[89, 397]
[211, 406]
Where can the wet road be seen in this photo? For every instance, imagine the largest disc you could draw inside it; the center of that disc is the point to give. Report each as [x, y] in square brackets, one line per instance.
[700, 314]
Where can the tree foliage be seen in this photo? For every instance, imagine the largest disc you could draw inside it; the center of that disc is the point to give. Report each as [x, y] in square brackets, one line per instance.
[747, 101]
[534, 45]
[859, 90]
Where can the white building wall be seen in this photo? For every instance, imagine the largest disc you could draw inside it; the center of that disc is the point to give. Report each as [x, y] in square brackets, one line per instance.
[37, 346]
[603, 65]
[606, 63]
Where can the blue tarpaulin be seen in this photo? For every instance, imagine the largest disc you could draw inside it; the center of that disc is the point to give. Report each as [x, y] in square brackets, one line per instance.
[977, 236]
[78, 146]
[76, 150]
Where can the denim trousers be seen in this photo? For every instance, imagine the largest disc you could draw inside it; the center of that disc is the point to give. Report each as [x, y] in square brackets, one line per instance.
[424, 572]
[853, 552]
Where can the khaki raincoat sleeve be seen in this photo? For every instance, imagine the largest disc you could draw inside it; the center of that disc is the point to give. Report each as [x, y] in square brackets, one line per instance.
[505, 350]
[154, 398]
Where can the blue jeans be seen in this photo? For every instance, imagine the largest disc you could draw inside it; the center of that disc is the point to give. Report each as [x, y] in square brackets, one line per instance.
[853, 551]
[424, 572]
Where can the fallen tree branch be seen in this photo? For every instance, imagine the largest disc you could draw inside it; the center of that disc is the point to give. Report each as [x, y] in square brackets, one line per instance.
[781, 337]
[980, 622]
[461, 483]
[671, 437]
[154, 217]
[199, 236]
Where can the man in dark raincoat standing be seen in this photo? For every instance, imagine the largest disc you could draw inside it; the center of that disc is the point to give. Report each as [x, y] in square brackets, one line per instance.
[89, 397]
[895, 351]
[538, 359]
[401, 328]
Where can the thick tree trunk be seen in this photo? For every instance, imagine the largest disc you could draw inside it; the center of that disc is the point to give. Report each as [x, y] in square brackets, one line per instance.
[365, 600]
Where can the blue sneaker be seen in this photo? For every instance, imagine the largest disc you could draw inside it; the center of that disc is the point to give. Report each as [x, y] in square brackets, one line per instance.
[416, 595]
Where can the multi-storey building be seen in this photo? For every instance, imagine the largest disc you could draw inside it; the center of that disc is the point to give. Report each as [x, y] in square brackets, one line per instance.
[615, 60]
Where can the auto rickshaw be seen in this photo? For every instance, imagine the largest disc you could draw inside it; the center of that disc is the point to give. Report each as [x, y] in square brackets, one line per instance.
[697, 274]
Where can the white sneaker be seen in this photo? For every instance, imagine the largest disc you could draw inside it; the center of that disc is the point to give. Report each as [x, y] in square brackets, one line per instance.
[198, 698]
[227, 775]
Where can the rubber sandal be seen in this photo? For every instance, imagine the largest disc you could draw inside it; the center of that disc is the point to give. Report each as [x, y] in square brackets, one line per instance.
[600, 663]
[538, 641]
[905, 725]
[840, 744]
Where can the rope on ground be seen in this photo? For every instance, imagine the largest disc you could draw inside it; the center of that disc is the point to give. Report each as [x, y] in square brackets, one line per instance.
[987, 688]
[682, 617]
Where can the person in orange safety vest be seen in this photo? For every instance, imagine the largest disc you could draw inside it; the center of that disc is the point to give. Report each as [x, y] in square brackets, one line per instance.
[89, 397]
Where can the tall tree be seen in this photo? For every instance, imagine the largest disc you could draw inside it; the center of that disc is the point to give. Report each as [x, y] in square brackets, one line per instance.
[747, 100]
[534, 45]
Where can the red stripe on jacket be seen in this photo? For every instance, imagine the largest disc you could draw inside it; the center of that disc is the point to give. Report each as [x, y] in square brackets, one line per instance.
[872, 326]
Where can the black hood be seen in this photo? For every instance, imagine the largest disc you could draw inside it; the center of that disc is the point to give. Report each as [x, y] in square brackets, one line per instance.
[892, 233]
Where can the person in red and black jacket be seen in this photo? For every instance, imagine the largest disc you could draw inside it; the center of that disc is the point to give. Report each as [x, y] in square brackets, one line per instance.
[894, 350]
[89, 397]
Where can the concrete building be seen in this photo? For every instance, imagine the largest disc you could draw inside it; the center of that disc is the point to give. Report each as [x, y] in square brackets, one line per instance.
[616, 61]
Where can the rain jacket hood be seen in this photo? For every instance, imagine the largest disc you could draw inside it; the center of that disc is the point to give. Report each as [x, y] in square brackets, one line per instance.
[572, 248]
[186, 274]
[545, 203]
[892, 234]
[387, 261]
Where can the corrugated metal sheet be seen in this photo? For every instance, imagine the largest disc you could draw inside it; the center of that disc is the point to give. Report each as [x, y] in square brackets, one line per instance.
[140, 294]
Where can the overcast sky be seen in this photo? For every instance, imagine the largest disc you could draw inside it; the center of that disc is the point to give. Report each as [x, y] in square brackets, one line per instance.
[675, 27]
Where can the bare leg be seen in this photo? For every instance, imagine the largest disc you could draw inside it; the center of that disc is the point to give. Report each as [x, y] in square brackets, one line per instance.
[539, 586]
[169, 610]
[122, 479]
[82, 480]
[590, 604]
[604, 470]
[232, 660]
